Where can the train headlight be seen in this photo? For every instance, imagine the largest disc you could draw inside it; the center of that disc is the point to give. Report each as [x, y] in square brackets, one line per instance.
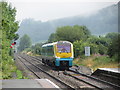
[58, 57]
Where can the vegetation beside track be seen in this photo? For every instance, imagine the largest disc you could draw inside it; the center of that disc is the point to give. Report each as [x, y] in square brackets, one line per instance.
[8, 29]
[10, 71]
[97, 61]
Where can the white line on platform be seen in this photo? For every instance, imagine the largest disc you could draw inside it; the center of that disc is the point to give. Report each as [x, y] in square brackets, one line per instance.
[52, 83]
[111, 69]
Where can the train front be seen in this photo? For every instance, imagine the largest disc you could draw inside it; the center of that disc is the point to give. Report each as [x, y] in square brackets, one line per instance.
[64, 54]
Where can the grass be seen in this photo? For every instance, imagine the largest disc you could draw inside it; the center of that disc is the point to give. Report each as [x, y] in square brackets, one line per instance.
[20, 75]
[0, 74]
[10, 71]
[95, 62]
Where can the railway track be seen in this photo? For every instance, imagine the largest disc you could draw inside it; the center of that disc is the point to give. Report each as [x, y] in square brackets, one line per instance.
[92, 81]
[97, 79]
[90, 77]
[63, 84]
[95, 82]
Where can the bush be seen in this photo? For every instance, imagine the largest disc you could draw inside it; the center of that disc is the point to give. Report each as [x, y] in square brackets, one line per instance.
[8, 68]
[104, 59]
[113, 49]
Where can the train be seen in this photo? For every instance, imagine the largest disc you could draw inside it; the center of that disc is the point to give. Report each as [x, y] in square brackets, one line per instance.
[58, 54]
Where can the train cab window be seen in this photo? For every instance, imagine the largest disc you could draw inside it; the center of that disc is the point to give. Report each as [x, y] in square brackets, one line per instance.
[64, 48]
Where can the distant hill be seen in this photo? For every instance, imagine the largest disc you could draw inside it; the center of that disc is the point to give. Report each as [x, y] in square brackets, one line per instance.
[37, 30]
[102, 22]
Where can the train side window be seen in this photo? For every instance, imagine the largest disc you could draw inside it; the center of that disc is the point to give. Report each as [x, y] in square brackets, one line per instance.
[43, 51]
[50, 50]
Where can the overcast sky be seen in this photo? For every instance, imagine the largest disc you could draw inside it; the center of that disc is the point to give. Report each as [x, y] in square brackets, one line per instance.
[53, 9]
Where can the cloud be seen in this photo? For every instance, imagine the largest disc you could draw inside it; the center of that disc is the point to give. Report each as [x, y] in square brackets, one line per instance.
[53, 9]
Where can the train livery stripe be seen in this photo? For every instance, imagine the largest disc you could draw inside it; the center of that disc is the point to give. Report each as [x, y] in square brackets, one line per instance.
[65, 59]
[57, 63]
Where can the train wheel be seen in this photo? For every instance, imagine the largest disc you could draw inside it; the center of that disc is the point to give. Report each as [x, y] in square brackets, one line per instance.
[48, 62]
[66, 68]
[53, 64]
[42, 60]
[57, 67]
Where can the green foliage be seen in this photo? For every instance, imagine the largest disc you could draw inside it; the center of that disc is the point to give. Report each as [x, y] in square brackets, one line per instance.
[111, 35]
[52, 38]
[70, 33]
[109, 44]
[8, 68]
[36, 49]
[8, 29]
[96, 44]
[102, 59]
[102, 49]
[28, 50]
[25, 42]
[19, 74]
[97, 61]
[113, 49]
[9, 25]
[79, 47]
[16, 37]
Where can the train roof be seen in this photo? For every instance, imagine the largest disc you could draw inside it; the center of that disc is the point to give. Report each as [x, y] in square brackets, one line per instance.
[51, 44]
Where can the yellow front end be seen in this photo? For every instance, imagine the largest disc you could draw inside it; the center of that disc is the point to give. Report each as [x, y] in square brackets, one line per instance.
[63, 59]
[63, 55]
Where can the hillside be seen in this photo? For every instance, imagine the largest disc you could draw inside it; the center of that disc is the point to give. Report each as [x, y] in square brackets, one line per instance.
[100, 23]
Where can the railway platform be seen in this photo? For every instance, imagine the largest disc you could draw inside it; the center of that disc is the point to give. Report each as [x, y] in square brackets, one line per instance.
[109, 71]
[114, 70]
[27, 83]
[108, 74]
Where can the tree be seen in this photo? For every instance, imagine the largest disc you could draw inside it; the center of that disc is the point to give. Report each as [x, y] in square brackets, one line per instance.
[8, 29]
[9, 25]
[37, 48]
[16, 37]
[101, 42]
[79, 47]
[25, 42]
[70, 33]
[52, 38]
[114, 48]
[97, 45]
[111, 35]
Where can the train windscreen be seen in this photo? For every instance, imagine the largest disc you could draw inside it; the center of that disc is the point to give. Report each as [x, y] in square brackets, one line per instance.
[64, 48]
